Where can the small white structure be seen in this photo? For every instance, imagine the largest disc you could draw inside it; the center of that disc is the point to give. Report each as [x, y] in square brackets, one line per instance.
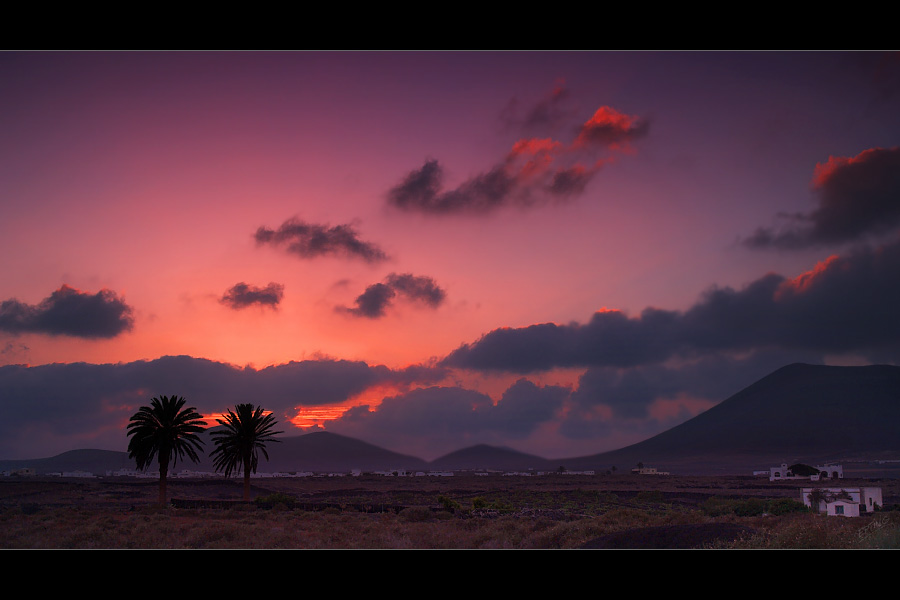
[83, 474]
[824, 472]
[648, 471]
[845, 502]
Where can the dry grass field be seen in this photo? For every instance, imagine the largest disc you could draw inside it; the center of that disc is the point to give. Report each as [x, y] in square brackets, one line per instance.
[462, 512]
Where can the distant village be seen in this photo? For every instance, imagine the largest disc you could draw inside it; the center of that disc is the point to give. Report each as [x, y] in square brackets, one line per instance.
[833, 501]
[189, 474]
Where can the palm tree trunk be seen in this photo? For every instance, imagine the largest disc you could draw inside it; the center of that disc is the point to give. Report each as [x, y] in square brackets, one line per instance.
[247, 483]
[163, 471]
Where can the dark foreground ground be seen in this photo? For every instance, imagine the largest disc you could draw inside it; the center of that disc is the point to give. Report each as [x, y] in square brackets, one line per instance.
[558, 511]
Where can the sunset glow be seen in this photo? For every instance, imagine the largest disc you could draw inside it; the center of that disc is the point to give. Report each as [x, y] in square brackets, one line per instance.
[558, 252]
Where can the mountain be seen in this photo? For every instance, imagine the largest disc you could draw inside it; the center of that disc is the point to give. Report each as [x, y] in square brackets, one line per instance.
[799, 413]
[483, 456]
[324, 451]
[92, 461]
[318, 451]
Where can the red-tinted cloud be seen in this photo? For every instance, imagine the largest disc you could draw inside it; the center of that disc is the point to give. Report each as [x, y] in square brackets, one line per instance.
[611, 129]
[858, 197]
[535, 171]
[845, 304]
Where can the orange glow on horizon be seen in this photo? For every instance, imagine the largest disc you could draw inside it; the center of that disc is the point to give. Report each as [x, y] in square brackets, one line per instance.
[317, 416]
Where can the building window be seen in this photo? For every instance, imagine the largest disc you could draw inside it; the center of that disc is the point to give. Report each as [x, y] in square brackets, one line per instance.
[838, 510]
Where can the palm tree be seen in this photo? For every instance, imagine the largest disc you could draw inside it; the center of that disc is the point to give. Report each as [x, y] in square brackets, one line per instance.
[165, 429]
[247, 431]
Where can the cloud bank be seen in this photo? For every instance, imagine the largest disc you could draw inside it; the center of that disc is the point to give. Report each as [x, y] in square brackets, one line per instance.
[309, 240]
[435, 420]
[58, 407]
[69, 312]
[857, 198]
[845, 304]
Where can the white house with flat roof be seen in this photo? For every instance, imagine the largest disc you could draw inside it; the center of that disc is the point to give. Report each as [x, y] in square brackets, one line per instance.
[843, 502]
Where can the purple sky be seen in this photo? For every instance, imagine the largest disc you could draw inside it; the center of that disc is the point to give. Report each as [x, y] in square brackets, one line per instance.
[558, 252]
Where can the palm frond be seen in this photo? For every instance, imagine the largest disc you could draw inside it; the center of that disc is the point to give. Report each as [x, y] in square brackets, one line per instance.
[245, 435]
[166, 430]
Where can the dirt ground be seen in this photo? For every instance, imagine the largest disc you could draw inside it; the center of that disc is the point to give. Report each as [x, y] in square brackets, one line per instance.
[344, 508]
[400, 491]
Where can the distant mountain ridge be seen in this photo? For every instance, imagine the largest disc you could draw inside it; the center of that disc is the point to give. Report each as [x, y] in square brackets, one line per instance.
[483, 456]
[799, 413]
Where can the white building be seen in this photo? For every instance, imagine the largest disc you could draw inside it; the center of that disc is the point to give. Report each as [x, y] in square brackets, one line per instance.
[824, 472]
[846, 502]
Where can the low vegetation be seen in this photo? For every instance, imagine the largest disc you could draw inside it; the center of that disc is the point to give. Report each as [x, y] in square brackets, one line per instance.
[441, 516]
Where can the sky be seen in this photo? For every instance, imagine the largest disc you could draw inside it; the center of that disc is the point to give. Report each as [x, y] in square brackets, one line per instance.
[558, 252]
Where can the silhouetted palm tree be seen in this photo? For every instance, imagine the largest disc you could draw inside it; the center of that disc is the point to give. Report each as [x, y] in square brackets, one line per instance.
[167, 430]
[247, 431]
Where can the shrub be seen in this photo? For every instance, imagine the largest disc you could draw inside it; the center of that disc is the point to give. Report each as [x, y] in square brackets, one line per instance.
[716, 506]
[277, 498]
[416, 514]
[751, 507]
[650, 496]
[449, 504]
[783, 506]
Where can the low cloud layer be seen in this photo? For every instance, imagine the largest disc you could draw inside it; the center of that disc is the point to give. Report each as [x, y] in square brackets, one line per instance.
[442, 419]
[535, 171]
[242, 295]
[374, 302]
[309, 240]
[842, 305]
[69, 312]
[58, 407]
[857, 198]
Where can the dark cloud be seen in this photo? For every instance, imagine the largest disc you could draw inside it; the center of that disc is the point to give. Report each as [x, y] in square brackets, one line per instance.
[373, 302]
[242, 295]
[378, 297]
[419, 288]
[535, 171]
[842, 305]
[69, 312]
[570, 181]
[549, 114]
[857, 197]
[524, 406]
[52, 408]
[420, 189]
[309, 240]
[453, 417]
